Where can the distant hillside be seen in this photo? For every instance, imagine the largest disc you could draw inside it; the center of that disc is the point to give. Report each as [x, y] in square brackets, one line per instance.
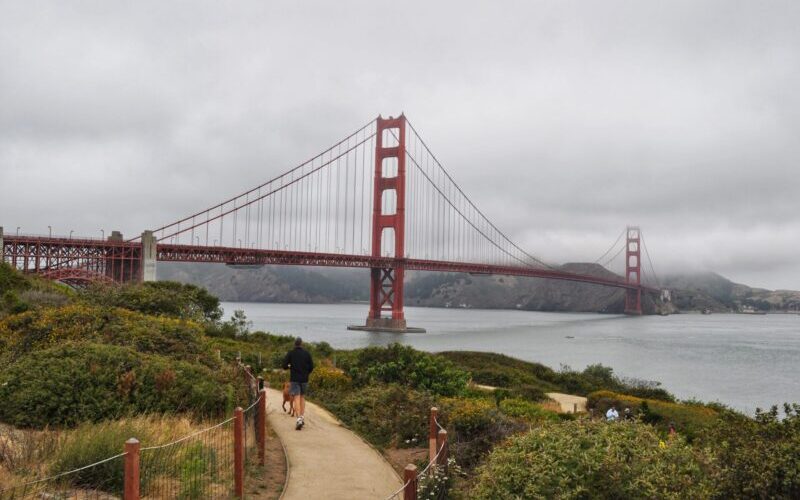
[326, 285]
[287, 284]
[710, 290]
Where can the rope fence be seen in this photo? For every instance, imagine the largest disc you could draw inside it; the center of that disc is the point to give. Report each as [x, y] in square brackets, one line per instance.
[101, 480]
[415, 483]
[208, 464]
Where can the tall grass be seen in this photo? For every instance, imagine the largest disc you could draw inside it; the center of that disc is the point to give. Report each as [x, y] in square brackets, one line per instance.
[26, 455]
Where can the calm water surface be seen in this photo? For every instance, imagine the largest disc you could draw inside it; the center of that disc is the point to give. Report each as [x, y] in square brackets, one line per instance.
[740, 360]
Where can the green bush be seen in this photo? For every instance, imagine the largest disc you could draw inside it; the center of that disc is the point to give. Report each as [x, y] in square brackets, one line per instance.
[503, 371]
[756, 458]
[468, 417]
[12, 280]
[582, 459]
[19, 293]
[385, 415]
[498, 370]
[406, 366]
[529, 392]
[78, 382]
[520, 408]
[157, 298]
[326, 378]
[475, 426]
[689, 419]
[272, 348]
[43, 328]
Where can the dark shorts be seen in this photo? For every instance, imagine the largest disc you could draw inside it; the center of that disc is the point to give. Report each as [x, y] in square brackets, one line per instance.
[298, 388]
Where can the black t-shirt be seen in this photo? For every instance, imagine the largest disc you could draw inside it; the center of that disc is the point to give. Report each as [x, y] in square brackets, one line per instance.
[299, 361]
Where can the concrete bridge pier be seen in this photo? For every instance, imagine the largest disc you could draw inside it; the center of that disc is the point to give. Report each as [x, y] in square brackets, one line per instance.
[149, 255]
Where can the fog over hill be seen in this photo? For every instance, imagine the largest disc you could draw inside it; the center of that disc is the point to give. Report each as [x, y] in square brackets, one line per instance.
[690, 292]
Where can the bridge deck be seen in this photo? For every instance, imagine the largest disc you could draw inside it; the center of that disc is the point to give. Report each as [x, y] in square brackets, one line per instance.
[54, 253]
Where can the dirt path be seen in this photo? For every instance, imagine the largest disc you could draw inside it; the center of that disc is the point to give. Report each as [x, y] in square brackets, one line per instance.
[327, 460]
[568, 402]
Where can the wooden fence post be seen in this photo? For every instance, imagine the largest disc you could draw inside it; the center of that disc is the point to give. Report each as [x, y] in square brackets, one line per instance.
[261, 431]
[441, 443]
[238, 452]
[131, 486]
[410, 480]
[432, 433]
[260, 382]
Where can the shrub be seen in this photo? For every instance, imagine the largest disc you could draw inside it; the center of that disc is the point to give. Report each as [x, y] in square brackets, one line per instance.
[326, 378]
[42, 328]
[499, 370]
[264, 351]
[73, 383]
[475, 426]
[406, 366]
[503, 371]
[582, 459]
[468, 417]
[520, 408]
[756, 458]
[11, 279]
[689, 419]
[385, 415]
[491, 377]
[19, 293]
[529, 392]
[158, 298]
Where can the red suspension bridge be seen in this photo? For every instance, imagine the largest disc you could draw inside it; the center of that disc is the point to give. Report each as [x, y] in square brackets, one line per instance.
[377, 199]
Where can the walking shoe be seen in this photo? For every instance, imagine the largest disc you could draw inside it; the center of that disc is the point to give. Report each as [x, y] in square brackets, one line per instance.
[299, 424]
[302, 421]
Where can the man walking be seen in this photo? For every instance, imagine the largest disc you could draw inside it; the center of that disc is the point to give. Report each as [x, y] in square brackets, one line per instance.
[300, 364]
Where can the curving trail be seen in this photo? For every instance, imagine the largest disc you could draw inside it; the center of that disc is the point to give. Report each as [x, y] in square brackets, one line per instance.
[326, 460]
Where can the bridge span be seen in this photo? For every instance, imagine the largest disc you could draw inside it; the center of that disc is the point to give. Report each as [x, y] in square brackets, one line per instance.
[378, 199]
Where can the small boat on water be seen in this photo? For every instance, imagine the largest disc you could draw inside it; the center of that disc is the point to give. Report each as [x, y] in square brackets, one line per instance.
[751, 310]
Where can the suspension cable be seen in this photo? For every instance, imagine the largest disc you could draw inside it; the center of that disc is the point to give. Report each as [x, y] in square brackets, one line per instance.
[613, 245]
[275, 179]
[647, 254]
[447, 174]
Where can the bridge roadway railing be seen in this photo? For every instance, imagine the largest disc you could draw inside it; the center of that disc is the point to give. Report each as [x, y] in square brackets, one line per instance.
[45, 254]
[245, 256]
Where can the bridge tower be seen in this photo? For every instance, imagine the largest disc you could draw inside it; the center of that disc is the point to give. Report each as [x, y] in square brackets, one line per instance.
[633, 271]
[386, 283]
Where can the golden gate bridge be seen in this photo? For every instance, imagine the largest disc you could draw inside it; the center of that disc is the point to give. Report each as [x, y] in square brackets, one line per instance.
[377, 199]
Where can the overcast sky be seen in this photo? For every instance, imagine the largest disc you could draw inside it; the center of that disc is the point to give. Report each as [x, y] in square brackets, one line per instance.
[564, 121]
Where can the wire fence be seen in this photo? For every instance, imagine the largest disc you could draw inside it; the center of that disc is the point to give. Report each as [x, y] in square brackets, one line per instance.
[196, 466]
[201, 465]
[98, 481]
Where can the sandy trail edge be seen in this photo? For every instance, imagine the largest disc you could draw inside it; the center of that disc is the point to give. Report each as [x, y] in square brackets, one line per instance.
[326, 460]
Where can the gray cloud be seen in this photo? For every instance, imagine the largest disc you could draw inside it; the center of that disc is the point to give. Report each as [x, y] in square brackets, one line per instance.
[564, 120]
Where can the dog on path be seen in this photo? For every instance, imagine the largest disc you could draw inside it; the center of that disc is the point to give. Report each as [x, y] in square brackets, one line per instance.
[287, 398]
